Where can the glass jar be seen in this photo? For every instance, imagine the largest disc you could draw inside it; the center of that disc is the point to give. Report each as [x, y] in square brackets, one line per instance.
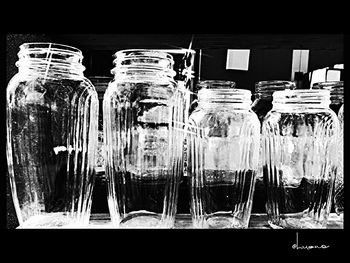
[261, 106]
[339, 180]
[223, 147]
[299, 161]
[336, 89]
[143, 136]
[52, 112]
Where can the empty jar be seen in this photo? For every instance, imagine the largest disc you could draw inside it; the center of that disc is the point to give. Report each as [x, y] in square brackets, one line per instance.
[52, 112]
[223, 147]
[262, 104]
[143, 135]
[299, 160]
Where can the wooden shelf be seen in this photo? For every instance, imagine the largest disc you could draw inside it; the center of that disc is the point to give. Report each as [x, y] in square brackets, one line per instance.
[183, 221]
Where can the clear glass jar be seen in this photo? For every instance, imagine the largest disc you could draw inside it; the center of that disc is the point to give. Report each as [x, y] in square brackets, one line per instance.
[339, 180]
[143, 136]
[299, 160]
[223, 147]
[52, 112]
[262, 104]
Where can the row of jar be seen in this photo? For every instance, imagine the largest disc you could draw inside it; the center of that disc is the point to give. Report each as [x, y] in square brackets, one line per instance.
[151, 142]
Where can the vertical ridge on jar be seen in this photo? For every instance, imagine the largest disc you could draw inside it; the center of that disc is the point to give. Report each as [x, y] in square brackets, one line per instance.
[109, 164]
[195, 163]
[81, 154]
[270, 175]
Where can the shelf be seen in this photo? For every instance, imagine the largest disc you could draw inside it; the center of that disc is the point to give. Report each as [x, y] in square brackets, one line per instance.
[183, 221]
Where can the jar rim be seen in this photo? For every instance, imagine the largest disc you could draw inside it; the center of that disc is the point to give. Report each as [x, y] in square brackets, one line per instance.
[328, 84]
[274, 83]
[49, 47]
[285, 93]
[277, 81]
[177, 50]
[225, 95]
[217, 84]
[146, 70]
[125, 53]
[301, 96]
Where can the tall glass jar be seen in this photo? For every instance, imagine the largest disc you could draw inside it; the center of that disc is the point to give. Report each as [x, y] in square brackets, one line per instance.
[223, 147]
[143, 136]
[299, 160]
[262, 104]
[52, 112]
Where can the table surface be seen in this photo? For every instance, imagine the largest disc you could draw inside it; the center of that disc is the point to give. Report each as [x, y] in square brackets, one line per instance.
[183, 221]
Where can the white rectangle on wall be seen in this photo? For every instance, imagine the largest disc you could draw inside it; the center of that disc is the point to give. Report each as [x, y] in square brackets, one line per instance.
[300, 61]
[237, 59]
[333, 75]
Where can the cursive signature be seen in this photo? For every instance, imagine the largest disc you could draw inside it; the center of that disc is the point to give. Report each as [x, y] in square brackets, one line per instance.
[307, 247]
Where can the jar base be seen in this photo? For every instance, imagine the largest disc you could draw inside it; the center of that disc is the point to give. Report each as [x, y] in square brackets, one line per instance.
[224, 220]
[143, 219]
[50, 220]
[296, 221]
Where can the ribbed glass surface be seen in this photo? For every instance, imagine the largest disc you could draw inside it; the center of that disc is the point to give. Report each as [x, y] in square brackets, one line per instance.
[143, 134]
[223, 147]
[299, 164]
[51, 142]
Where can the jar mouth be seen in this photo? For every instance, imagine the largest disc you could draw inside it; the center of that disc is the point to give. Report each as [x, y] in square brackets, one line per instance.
[46, 55]
[156, 53]
[143, 61]
[47, 47]
[328, 85]
[177, 51]
[223, 95]
[267, 87]
[302, 96]
[216, 85]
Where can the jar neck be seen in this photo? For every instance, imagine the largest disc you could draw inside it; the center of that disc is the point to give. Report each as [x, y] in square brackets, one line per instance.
[50, 60]
[141, 64]
[301, 99]
[336, 89]
[236, 98]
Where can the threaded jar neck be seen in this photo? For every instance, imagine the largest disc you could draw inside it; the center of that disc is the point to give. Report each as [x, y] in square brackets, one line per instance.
[336, 89]
[50, 59]
[304, 98]
[213, 92]
[143, 63]
[265, 89]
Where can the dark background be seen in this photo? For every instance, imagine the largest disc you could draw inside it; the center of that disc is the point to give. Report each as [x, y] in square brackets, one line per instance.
[270, 58]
